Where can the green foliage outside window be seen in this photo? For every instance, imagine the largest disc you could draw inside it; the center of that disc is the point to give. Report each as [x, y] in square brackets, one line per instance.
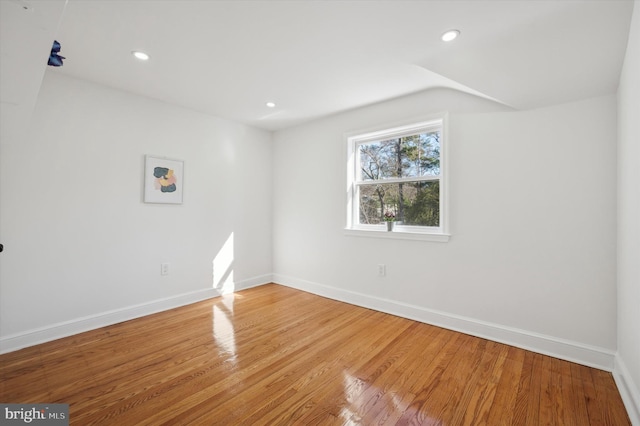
[414, 203]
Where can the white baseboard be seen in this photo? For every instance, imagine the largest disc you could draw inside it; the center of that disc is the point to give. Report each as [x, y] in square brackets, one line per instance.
[253, 282]
[36, 336]
[628, 390]
[556, 347]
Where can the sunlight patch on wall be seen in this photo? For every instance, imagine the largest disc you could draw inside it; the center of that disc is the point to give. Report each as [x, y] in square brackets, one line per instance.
[223, 268]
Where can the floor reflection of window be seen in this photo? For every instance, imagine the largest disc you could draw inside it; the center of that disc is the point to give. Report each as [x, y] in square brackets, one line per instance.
[363, 398]
[223, 330]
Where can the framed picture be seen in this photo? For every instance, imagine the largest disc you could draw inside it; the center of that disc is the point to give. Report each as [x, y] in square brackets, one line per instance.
[163, 180]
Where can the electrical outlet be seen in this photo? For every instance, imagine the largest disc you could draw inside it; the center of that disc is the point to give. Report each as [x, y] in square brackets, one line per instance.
[382, 270]
[164, 269]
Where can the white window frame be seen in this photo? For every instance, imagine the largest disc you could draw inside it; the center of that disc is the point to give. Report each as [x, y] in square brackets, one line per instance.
[355, 139]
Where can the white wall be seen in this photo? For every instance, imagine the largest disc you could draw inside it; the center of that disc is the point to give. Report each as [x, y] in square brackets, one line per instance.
[79, 241]
[25, 39]
[629, 221]
[532, 256]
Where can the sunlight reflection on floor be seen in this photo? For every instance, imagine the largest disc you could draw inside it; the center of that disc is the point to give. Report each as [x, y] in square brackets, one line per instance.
[368, 404]
[223, 330]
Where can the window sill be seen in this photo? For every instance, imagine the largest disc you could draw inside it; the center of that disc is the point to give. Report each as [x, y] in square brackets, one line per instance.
[397, 235]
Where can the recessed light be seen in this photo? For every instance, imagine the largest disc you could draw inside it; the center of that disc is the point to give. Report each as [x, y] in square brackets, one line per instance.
[140, 55]
[450, 35]
[270, 105]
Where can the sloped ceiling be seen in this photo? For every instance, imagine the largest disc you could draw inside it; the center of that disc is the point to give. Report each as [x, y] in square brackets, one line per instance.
[315, 58]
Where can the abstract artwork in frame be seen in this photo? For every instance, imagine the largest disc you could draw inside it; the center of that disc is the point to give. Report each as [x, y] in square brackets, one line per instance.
[163, 180]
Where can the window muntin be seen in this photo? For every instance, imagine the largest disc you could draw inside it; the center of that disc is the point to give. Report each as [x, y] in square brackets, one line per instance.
[399, 170]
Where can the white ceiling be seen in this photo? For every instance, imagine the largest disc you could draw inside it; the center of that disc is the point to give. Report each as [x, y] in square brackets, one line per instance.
[315, 58]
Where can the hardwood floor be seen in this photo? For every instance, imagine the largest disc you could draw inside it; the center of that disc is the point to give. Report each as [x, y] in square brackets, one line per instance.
[275, 355]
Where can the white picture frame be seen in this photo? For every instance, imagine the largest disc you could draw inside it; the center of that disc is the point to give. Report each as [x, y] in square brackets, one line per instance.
[163, 180]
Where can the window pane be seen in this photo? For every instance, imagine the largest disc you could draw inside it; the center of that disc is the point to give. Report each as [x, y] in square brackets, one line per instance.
[378, 160]
[421, 154]
[413, 203]
[408, 156]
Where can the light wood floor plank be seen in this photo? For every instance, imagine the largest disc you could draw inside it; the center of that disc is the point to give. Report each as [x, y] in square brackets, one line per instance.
[273, 355]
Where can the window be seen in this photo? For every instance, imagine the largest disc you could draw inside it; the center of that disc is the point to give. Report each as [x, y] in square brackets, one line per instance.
[400, 172]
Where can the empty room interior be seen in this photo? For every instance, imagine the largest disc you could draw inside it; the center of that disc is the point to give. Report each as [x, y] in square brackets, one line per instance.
[321, 212]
